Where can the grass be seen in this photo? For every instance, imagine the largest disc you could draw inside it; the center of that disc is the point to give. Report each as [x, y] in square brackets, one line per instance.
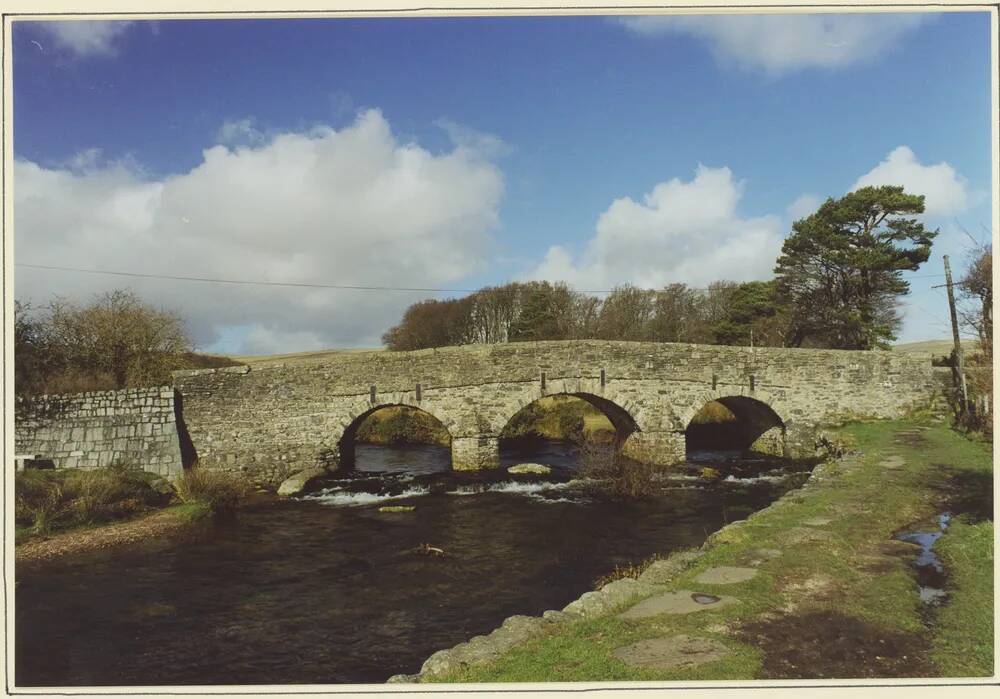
[190, 511]
[216, 489]
[51, 501]
[963, 643]
[60, 499]
[842, 573]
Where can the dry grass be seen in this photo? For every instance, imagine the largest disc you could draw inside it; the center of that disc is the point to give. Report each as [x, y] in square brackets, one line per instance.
[220, 490]
[64, 498]
[626, 478]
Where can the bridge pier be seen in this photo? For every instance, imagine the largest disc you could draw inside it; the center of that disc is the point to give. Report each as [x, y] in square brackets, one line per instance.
[660, 448]
[475, 453]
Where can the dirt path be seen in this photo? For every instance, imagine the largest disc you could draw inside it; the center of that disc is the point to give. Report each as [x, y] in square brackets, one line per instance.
[107, 536]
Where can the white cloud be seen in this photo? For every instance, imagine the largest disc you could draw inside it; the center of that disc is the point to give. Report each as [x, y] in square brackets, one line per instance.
[350, 207]
[782, 43]
[803, 206]
[462, 136]
[239, 132]
[85, 38]
[681, 232]
[945, 191]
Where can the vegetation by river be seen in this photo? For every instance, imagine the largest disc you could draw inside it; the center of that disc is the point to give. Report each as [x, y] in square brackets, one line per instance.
[836, 595]
[59, 511]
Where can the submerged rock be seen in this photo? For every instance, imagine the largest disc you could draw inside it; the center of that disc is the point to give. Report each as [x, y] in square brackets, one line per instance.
[538, 469]
[397, 508]
[298, 482]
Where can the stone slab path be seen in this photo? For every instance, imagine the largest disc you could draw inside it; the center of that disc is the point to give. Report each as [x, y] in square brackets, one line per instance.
[679, 602]
[726, 575]
[669, 652]
[817, 521]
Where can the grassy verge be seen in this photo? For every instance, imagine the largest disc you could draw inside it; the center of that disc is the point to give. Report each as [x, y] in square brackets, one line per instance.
[57, 500]
[77, 503]
[839, 600]
[963, 640]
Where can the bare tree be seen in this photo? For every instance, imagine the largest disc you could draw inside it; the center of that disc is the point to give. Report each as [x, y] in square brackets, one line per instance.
[977, 294]
[118, 335]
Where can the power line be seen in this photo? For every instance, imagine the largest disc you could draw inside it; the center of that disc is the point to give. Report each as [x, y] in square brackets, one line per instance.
[245, 282]
[306, 285]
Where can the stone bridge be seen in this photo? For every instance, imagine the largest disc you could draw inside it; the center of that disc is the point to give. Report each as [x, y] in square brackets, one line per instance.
[274, 418]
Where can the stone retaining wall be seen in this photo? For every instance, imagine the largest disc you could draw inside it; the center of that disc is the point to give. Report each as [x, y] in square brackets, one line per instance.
[136, 426]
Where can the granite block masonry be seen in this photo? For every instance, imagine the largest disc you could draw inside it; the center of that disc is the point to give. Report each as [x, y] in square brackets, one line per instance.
[276, 418]
[137, 427]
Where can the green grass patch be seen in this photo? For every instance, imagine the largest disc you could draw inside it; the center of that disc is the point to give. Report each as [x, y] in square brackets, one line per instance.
[847, 569]
[963, 638]
[190, 511]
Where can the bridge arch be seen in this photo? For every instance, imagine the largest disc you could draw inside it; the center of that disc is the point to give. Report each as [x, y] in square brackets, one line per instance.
[346, 442]
[621, 418]
[739, 422]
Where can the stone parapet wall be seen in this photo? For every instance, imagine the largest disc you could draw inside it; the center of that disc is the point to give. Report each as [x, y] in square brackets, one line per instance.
[274, 418]
[136, 427]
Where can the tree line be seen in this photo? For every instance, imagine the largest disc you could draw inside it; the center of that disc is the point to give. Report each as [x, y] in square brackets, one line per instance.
[837, 284]
[115, 341]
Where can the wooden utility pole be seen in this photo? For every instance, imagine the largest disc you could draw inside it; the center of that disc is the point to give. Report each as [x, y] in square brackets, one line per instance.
[959, 359]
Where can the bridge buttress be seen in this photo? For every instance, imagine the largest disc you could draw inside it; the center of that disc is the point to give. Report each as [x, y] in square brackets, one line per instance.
[475, 453]
[659, 448]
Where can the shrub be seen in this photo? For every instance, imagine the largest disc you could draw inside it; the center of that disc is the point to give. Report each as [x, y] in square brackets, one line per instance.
[110, 493]
[220, 490]
[39, 499]
[48, 499]
[627, 478]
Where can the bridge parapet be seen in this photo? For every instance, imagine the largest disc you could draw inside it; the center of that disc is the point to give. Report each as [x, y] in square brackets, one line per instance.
[275, 418]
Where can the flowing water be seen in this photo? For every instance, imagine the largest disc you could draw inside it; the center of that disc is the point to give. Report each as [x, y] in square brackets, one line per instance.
[327, 589]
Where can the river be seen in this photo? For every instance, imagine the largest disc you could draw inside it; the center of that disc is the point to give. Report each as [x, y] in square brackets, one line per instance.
[326, 589]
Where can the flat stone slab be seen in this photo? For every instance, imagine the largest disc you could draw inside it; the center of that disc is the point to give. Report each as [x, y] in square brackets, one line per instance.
[817, 521]
[755, 557]
[893, 462]
[679, 602]
[805, 535]
[670, 652]
[726, 575]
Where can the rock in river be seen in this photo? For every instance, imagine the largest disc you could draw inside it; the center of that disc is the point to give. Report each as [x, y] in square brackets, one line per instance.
[298, 482]
[538, 469]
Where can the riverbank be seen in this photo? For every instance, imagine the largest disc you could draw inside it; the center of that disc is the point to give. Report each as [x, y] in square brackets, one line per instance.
[109, 535]
[66, 511]
[814, 586]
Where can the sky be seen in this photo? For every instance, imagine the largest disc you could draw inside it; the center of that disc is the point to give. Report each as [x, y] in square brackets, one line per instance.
[453, 153]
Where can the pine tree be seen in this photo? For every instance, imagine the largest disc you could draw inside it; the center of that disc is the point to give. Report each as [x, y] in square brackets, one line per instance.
[840, 269]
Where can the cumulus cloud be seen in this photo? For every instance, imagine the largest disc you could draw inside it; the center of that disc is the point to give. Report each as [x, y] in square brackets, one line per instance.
[782, 43]
[85, 38]
[349, 207]
[680, 232]
[239, 132]
[803, 206]
[466, 137]
[946, 192]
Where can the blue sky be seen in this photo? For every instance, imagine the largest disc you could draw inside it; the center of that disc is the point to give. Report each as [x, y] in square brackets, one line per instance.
[453, 153]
